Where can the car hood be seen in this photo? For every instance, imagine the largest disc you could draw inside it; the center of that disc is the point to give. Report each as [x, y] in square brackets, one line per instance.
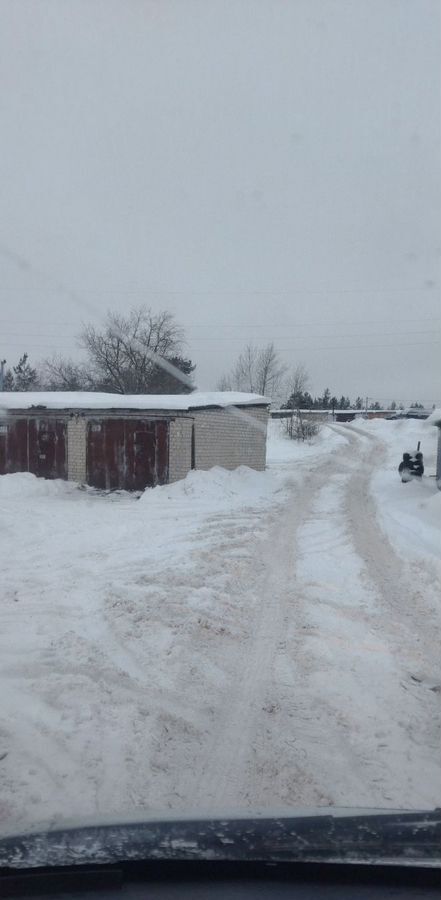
[336, 835]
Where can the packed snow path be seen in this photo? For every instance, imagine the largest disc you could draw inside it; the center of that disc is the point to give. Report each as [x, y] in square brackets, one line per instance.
[272, 653]
[336, 697]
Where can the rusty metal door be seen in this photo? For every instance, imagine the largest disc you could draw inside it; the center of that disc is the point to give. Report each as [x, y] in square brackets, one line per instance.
[47, 447]
[146, 454]
[33, 445]
[13, 445]
[126, 454]
[105, 453]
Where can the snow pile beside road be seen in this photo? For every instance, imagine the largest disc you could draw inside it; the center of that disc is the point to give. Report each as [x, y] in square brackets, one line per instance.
[435, 417]
[409, 513]
[23, 485]
[217, 488]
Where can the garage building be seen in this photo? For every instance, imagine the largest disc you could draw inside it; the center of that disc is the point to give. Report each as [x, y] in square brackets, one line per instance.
[130, 442]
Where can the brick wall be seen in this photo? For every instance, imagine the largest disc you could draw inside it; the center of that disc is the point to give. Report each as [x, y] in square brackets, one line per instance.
[179, 460]
[231, 437]
[76, 450]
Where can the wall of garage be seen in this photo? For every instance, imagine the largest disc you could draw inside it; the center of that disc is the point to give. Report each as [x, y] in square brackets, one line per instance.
[231, 437]
[222, 437]
[76, 449]
[180, 448]
[131, 450]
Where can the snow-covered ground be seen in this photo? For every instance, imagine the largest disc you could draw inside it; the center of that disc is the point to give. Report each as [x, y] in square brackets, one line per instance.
[236, 641]
[409, 513]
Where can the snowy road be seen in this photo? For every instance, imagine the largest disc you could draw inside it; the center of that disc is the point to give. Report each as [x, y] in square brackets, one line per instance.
[242, 641]
[326, 708]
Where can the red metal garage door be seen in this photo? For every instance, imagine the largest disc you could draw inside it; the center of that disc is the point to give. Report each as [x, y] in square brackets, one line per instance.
[126, 454]
[13, 445]
[33, 445]
[47, 448]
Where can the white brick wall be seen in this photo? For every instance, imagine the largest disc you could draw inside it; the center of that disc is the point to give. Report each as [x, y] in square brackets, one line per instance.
[179, 460]
[231, 437]
[76, 450]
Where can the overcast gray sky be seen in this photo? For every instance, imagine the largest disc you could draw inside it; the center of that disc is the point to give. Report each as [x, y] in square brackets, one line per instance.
[265, 169]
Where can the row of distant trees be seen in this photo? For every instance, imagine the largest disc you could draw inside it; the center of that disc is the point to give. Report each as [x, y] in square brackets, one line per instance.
[260, 371]
[143, 352]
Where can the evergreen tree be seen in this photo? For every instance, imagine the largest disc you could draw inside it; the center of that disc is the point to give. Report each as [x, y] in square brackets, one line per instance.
[326, 399]
[25, 377]
[22, 377]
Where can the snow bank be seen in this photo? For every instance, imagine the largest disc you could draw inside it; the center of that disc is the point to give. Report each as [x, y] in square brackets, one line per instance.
[23, 485]
[401, 435]
[409, 513]
[435, 417]
[217, 488]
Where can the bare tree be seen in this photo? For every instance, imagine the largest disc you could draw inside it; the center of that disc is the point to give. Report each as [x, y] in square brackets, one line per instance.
[58, 374]
[125, 355]
[270, 371]
[257, 371]
[244, 374]
[224, 383]
[297, 385]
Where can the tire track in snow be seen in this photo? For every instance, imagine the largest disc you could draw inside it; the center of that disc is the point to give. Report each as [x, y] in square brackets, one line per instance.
[408, 594]
[399, 583]
[404, 620]
[250, 762]
[318, 714]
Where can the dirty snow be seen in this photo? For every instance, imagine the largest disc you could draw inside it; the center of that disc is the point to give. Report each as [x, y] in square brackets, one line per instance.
[233, 642]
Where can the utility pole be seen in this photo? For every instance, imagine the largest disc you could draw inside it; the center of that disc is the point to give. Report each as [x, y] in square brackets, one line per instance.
[367, 403]
[2, 373]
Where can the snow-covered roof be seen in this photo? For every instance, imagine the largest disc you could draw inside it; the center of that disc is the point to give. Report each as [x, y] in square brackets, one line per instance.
[95, 400]
[435, 417]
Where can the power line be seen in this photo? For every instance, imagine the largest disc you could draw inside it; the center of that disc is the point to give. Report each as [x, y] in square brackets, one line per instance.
[342, 334]
[348, 347]
[293, 324]
[322, 323]
[190, 292]
[306, 337]
[300, 348]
